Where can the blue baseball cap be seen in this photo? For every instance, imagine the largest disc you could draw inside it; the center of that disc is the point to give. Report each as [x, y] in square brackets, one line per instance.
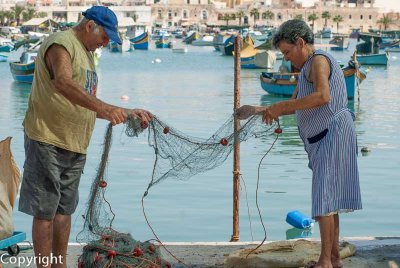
[106, 18]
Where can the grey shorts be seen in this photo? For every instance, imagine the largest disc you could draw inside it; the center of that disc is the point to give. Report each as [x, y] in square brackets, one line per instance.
[50, 181]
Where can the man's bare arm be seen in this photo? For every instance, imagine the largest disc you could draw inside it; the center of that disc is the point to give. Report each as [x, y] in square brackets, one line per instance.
[59, 65]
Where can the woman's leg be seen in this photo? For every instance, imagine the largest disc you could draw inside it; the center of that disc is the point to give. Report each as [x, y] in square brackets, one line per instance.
[326, 228]
[336, 261]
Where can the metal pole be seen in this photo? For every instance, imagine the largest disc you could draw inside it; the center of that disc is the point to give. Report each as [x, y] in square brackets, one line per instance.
[236, 150]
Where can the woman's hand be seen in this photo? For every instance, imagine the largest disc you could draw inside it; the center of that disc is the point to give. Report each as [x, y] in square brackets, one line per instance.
[272, 113]
[245, 112]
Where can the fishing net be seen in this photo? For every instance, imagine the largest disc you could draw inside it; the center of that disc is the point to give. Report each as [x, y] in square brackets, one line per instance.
[177, 156]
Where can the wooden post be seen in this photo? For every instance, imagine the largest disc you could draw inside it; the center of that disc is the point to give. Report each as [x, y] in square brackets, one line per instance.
[236, 150]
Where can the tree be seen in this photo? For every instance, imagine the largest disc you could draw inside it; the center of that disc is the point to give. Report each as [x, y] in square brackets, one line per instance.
[233, 16]
[255, 14]
[2, 17]
[134, 16]
[28, 14]
[17, 12]
[227, 18]
[9, 15]
[385, 21]
[267, 15]
[298, 17]
[326, 15]
[313, 17]
[338, 19]
[240, 14]
[41, 14]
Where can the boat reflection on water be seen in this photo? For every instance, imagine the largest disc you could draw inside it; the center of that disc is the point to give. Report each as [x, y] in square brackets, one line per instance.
[269, 99]
[290, 135]
[19, 101]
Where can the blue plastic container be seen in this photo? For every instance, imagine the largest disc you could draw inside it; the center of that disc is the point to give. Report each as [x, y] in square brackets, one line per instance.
[298, 220]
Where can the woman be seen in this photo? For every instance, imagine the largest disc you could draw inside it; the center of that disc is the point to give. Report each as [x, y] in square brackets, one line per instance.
[327, 129]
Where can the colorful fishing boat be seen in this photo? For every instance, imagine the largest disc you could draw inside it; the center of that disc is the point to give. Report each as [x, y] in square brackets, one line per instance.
[285, 83]
[140, 42]
[228, 46]
[6, 44]
[340, 43]
[163, 43]
[368, 51]
[389, 43]
[191, 37]
[113, 46]
[207, 40]
[252, 58]
[373, 59]
[3, 57]
[124, 47]
[6, 47]
[393, 49]
[218, 40]
[23, 70]
[180, 50]
[326, 32]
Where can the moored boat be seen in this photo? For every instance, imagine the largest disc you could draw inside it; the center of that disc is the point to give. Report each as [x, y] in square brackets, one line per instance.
[368, 51]
[206, 40]
[228, 46]
[3, 57]
[140, 42]
[285, 83]
[340, 42]
[373, 59]
[180, 50]
[124, 47]
[392, 49]
[163, 43]
[251, 58]
[218, 40]
[23, 70]
[191, 37]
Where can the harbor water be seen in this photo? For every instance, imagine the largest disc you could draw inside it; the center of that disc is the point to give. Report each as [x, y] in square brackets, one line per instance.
[193, 92]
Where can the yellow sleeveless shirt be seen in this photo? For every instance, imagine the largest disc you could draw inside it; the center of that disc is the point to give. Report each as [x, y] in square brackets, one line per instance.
[51, 118]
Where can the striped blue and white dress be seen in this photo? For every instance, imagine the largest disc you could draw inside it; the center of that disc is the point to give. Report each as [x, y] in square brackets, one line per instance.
[329, 137]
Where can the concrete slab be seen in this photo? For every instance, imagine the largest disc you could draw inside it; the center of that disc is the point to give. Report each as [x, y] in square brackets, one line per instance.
[372, 252]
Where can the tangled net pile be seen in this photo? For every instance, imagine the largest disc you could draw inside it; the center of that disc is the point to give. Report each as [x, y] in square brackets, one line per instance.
[177, 156]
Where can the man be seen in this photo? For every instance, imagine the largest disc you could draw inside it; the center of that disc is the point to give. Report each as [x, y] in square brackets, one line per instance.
[58, 126]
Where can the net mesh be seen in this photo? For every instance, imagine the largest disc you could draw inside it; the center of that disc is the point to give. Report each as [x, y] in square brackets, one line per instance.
[177, 156]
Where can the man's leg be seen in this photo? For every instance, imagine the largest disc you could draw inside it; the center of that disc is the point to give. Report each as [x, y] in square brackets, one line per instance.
[42, 234]
[326, 228]
[61, 231]
[336, 261]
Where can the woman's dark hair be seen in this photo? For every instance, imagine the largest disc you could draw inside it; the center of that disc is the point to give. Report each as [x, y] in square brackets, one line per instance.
[292, 30]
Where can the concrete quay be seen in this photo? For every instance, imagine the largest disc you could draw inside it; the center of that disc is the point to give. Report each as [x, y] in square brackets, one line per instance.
[372, 252]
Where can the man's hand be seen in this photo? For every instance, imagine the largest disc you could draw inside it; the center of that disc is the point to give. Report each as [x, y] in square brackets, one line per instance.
[144, 116]
[245, 112]
[116, 115]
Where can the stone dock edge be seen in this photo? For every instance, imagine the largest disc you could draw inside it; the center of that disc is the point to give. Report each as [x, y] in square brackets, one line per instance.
[377, 252]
